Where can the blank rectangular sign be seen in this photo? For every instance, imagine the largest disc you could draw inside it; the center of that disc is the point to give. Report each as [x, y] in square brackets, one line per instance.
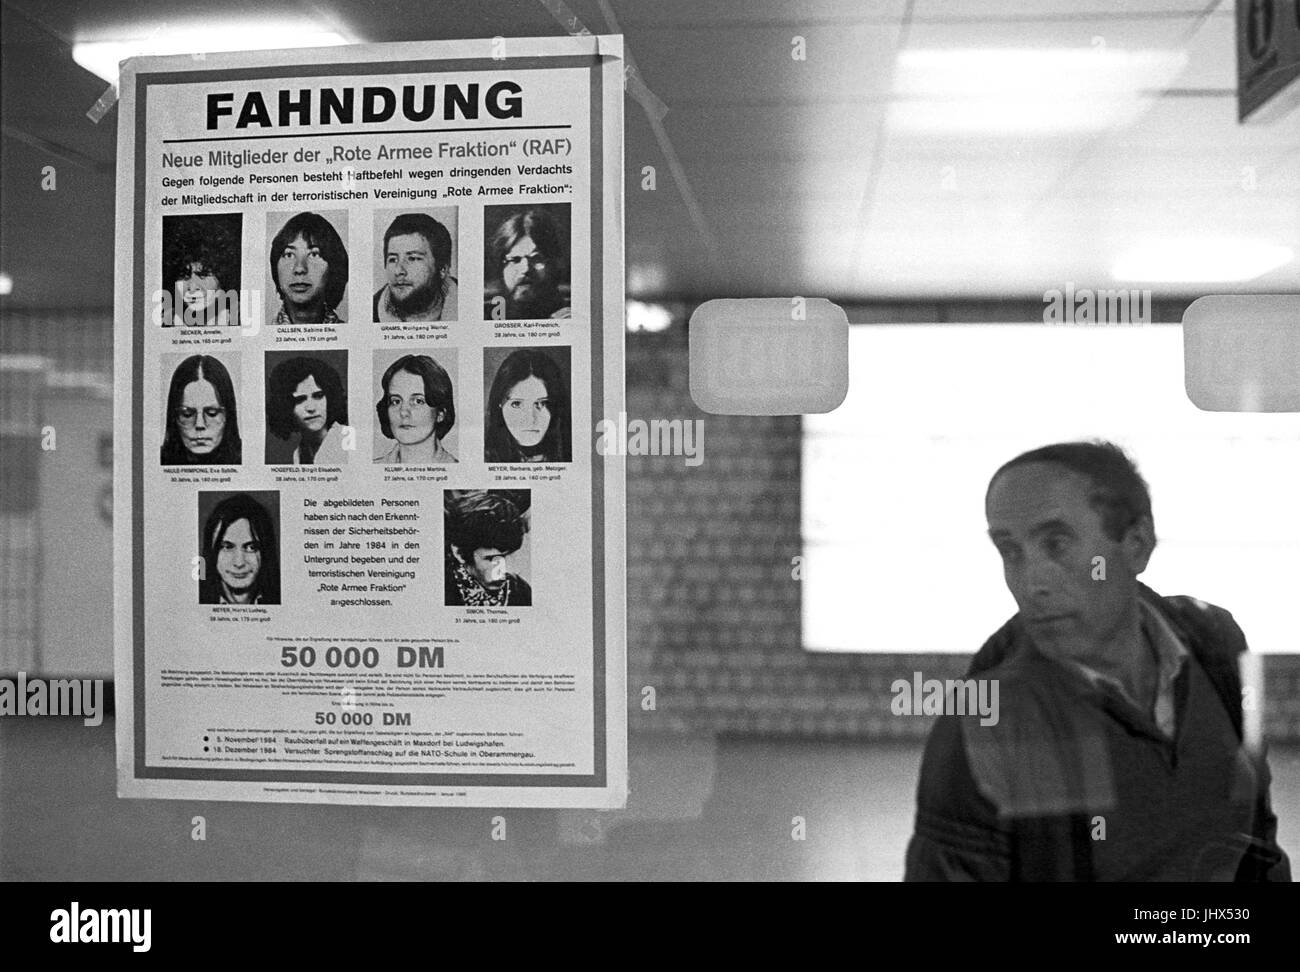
[896, 556]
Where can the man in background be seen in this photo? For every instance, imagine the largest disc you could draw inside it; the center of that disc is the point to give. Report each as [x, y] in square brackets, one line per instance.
[1118, 754]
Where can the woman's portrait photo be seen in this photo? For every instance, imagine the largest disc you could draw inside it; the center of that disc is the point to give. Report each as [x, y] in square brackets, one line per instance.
[241, 560]
[307, 408]
[527, 418]
[416, 409]
[201, 269]
[309, 267]
[201, 419]
[486, 533]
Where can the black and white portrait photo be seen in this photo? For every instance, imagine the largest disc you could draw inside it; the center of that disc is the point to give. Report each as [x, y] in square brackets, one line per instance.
[238, 546]
[526, 262]
[201, 269]
[652, 441]
[487, 552]
[201, 416]
[527, 409]
[415, 409]
[417, 266]
[309, 267]
[307, 408]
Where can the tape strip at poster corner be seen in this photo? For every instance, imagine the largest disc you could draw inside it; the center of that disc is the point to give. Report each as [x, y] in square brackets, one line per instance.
[368, 317]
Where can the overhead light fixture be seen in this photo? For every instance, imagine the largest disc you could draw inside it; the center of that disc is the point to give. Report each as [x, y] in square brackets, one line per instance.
[647, 317]
[1025, 91]
[102, 57]
[6, 285]
[1200, 260]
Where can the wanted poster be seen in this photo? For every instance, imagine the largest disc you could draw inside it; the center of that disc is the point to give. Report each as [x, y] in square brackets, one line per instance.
[369, 310]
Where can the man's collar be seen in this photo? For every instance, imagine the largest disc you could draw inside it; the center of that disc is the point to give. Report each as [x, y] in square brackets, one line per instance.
[1170, 655]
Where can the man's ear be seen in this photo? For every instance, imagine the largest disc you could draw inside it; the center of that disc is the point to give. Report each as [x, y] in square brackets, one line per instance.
[1138, 542]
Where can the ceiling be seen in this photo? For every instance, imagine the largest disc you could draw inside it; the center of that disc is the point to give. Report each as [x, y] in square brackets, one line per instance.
[869, 170]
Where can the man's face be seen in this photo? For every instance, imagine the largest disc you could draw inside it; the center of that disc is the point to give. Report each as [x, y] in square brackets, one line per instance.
[302, 272]
[413, 277]
[309, 406]
[239, 558]
[488, 565]
[198, 292]
[1047, 533]
[200, 418]
[527, 273]
[410, 416]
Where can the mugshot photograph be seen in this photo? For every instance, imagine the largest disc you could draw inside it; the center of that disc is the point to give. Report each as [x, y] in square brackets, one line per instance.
[307, 409]
[417, 264]
[526, 262]
[485, 531]
[416, 410]
[201, 269]
[527, 417]
[202, 421]
[309, 267]
[237, 537]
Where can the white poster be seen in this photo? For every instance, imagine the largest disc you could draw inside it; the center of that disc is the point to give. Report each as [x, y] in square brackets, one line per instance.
[369, 312]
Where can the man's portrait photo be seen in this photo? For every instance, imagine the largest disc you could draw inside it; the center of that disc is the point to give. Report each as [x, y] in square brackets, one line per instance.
[1118, 751]
[201, 418]
[415, 408]
[237, 541]
[486, 534]
[526, 262]
[527, 408]
[309, 267]
[417, 264]
[307, 408]
[201, 269]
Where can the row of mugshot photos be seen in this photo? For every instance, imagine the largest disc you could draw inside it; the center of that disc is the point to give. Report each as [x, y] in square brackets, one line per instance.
[414, 409]
[414, 273]
[486, 553]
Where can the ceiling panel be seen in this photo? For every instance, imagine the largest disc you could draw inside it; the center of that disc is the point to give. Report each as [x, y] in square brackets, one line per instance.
[754, 64]
[796, 176]
[1211, 61]
[684, 15]
[719, 133]
[966, 10]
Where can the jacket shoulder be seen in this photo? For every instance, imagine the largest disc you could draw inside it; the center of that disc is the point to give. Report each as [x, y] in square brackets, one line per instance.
[1214, 625]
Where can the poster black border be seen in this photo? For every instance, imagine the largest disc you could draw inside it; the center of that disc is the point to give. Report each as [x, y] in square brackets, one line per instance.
[598, 778]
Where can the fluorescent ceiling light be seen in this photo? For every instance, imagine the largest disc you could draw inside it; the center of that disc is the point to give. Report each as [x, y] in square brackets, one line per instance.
[1024, 116]
[647, 317]
[1200, 260]
[1016, 90]
[102, 57]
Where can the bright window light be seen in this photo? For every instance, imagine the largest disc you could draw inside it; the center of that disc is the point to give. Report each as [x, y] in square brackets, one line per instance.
[1199, 260]
[6, 285]
[1016, 90]
[895, 553]
[101, 57]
